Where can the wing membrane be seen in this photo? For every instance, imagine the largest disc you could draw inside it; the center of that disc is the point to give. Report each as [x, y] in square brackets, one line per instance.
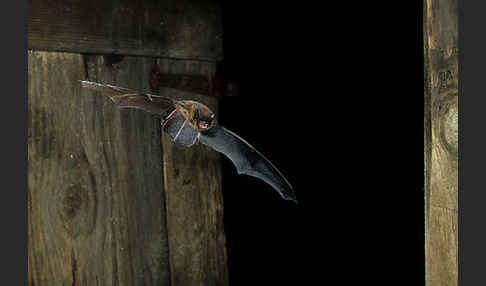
[247, 159]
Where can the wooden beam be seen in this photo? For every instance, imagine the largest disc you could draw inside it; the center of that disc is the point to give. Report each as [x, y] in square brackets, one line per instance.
[183, 29]
[441, 140]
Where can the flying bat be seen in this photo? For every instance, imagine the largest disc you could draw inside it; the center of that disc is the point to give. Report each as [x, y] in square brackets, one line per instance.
[188, 122]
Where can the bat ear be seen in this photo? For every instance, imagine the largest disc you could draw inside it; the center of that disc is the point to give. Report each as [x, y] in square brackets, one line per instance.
[212, 116]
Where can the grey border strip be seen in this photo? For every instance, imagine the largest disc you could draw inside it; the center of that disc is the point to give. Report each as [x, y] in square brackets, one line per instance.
[13, 123]
[472, 157]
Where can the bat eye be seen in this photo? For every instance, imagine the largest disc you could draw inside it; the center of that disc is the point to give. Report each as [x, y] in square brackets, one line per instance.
[196, 114]
[203, 125]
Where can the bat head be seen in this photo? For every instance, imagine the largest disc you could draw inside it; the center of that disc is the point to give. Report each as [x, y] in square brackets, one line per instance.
[198, 115]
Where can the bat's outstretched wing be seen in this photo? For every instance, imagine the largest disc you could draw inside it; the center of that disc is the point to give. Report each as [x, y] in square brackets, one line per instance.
[128, 98]
[247, 159]
[173, 122]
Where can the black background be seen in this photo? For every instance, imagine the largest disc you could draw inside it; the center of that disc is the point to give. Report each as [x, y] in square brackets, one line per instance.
[333, 95]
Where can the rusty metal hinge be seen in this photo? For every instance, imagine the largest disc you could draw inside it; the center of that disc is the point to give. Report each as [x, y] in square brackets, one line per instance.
[200, 84]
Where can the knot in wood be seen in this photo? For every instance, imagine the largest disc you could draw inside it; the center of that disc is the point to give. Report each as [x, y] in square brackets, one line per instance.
[72, 202]
[450, 123]
[449, 116]
[77, 210]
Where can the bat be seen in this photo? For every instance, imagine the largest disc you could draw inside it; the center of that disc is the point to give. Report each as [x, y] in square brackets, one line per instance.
[188, 122]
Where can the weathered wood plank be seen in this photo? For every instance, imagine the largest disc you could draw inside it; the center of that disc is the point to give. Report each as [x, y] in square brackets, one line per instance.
[194, 200]
[441, 140]
[95, 189]
[183, 29]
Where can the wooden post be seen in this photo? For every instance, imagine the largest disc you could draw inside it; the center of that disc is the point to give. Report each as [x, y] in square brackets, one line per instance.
[441, 142]
[111, 201]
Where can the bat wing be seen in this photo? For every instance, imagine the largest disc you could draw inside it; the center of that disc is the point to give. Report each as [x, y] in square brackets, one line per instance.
[173, 121]
[128, 98]
[247, 159]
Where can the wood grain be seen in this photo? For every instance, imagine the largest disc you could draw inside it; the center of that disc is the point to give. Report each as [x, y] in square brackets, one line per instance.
[194, 200]
[183, 29]
[441, 140]
[95, 189]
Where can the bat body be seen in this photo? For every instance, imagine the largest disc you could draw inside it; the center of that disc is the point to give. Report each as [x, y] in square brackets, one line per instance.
[188, 122]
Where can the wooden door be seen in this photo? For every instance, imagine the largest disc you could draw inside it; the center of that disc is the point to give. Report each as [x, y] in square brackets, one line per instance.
[111, 200]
